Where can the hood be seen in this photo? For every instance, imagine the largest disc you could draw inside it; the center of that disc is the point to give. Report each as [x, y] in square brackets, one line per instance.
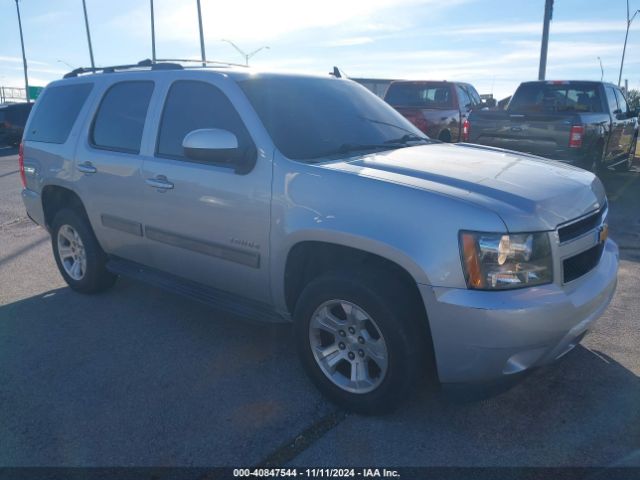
[529, 193]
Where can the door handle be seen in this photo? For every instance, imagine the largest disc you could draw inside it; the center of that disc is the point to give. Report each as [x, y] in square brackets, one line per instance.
[159, 182]
[86, 167]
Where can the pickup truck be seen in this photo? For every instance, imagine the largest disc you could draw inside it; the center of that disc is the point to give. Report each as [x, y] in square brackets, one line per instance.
[586, 123]
[303, 199]
[438, 108]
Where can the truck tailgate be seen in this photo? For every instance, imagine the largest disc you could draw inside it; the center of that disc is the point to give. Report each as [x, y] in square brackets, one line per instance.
[546, 135]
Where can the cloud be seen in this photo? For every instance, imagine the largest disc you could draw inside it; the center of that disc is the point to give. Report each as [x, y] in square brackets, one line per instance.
[246, 20]
[19, 60]
[348, 42]
[528, 28]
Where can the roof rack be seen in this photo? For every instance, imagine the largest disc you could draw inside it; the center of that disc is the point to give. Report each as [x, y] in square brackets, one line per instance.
[208, 62]
[113, 68]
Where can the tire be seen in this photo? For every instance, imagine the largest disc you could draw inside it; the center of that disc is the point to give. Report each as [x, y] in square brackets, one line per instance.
[383, 310]
[74, 243]
[445, 136]
[593, 162]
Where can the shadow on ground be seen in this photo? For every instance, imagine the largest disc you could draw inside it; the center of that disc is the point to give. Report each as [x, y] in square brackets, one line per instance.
[137, 376]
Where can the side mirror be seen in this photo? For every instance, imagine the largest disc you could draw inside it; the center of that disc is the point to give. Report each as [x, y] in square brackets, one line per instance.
[211, 145]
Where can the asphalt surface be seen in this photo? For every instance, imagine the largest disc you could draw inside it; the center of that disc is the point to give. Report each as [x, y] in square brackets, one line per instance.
[138, 376]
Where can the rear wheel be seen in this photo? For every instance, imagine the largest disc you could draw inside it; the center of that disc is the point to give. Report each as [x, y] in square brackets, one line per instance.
[78, 255]
[359, 340]
[594, 159]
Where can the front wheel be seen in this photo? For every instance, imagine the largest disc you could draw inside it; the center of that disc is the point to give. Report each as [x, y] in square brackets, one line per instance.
[79, 257]
[359, 341]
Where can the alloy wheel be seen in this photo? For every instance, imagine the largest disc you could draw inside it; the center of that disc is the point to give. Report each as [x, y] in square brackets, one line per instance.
[348, 346]
[71, 252]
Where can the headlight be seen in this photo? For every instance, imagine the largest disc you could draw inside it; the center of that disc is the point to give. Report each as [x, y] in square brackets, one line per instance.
[494, 261]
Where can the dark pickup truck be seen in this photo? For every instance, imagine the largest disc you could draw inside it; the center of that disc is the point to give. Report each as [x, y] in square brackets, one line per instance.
[13, 117]
[438, 108]
[586, 123]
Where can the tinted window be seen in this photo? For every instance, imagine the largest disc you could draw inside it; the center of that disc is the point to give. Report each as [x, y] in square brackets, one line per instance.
[58, 108]
[622, 103]
[611, 99]
[419, 95]
[192, 105]
[311, 118]
[120, 119]
[556, 97]
[463, 98]
[473, 93]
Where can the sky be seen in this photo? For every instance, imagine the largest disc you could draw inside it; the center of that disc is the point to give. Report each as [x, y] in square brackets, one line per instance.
[493, 44]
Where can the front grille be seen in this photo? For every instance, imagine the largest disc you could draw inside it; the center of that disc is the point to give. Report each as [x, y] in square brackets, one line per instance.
[581, 227]
[582, 263]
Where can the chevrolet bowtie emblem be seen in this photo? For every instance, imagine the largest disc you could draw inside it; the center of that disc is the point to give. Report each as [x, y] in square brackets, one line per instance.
[603, 233]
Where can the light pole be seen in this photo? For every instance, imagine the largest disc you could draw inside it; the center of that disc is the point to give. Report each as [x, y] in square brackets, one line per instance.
[24, 57]
[86, 24]
[626, 36]
[202, 54]
[246, 56]
[153, 35]
[548, 13]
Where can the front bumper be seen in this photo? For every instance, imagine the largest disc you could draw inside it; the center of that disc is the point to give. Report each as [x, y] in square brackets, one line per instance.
[480, 335]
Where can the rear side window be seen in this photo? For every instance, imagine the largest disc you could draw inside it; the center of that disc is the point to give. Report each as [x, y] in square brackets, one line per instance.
[119, 123]
[556, 97]
[57, 111]
[622, 103]
[419, 95]
[192, 105]
[611, 99]
[463, 98]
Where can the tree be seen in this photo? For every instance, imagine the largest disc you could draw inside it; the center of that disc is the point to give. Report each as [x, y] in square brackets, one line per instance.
[633, 98]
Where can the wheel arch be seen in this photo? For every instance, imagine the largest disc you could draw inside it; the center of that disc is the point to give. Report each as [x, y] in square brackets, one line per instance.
[308, 259]
[55, 197]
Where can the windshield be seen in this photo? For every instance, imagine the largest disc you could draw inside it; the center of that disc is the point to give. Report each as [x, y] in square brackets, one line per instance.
[556, 97]
[311, 118]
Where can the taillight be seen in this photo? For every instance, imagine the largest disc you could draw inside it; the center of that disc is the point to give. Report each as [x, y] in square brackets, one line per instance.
[575, 136]
[466, 130]
[23, 176]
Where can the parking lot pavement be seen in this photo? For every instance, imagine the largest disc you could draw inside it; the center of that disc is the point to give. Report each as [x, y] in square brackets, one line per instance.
[137, 376]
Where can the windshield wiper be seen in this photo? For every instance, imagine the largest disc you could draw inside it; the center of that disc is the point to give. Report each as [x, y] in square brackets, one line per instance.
[361, 147]
[380, 122]
[409, 138]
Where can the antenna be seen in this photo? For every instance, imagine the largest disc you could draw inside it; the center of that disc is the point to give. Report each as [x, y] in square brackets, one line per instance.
[601, 69]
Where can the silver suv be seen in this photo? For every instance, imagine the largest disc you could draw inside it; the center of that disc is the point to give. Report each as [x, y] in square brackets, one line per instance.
[308, 199]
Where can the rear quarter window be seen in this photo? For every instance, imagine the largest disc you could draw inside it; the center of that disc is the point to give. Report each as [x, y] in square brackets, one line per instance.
[419, 95]
[119, 122]
[57, 111]
[563, 97]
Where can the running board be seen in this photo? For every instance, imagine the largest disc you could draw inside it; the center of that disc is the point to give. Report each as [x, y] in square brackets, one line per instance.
[218, 299]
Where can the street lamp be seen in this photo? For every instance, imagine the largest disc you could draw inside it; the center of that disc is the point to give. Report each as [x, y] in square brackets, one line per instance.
[246, 56]
[601, 69]
[629, 20]
[66, 63]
